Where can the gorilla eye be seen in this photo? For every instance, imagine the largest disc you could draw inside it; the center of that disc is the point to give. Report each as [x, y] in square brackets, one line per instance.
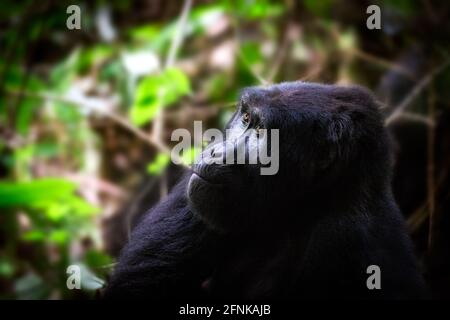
[246, 117]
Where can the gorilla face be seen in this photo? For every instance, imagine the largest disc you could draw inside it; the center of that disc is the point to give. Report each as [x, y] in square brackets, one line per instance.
[327, 133]
[223, 192]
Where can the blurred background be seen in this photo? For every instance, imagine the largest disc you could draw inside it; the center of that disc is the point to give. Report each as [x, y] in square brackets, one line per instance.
[86, 114]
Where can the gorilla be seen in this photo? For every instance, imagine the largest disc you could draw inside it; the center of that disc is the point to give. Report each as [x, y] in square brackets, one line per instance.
[309, 231]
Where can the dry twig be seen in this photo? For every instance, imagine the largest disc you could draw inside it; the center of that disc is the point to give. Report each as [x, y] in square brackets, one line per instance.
[398, 110]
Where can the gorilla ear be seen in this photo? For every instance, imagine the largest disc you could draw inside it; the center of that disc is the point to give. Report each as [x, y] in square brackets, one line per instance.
[338, 140]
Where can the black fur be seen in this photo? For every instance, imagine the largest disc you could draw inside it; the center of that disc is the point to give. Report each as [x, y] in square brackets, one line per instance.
[309, 231]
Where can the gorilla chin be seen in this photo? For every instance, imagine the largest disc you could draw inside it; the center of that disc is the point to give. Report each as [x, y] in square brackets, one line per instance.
[214, 203]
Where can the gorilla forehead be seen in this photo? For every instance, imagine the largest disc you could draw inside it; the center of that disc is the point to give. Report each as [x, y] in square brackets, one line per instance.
[299, 107]
[297, 95]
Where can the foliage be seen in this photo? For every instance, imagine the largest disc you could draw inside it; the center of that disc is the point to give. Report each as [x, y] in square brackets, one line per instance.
[158, 91]
[159, 164]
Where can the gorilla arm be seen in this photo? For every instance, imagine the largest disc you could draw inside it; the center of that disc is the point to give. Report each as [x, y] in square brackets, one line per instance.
[170, 253]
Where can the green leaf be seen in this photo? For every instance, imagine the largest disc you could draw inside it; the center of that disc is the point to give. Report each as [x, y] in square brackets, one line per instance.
[14, 194]
[159, 36]
[406, 8]
[46, 149]
[255, 9]
[34, 236]
[54, 211]
[215, 87]
[6, 268]
[63, 73]
[251, 52]
[177, 80]
[79, 62]
[59, 236]
[159, 164]
[154, 36]
[146, 101]
[13, 77]
[25, 113]
[321, 9]
[55, 197]
[144, 33]
[158, 91]
[189, 157]
[347, 40]
[97, 259]
[93, 56]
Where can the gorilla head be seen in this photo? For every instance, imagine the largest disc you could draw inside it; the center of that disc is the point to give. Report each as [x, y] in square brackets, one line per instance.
[329, 137]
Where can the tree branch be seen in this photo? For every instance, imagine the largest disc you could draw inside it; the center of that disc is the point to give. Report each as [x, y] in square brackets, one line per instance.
[124, 123]
[415, 92]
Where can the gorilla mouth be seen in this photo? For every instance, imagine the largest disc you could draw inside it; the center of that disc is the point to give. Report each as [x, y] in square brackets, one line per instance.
[197, 175]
